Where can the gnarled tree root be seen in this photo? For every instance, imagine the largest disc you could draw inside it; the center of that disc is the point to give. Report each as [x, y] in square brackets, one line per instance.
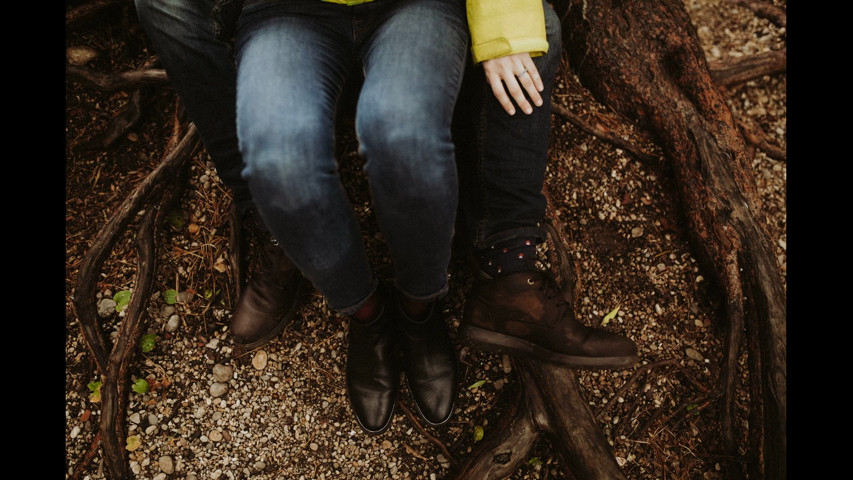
[644, 60]
[154, 196]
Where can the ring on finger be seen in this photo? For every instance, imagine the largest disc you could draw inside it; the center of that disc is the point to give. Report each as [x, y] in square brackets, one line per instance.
[523, 72]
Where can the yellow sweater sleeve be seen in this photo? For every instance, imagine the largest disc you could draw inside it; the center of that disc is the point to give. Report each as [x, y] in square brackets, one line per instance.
[504, 27]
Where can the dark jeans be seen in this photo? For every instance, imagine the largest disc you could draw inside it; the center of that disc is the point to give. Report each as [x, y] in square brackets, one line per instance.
[193, 41]
[293, 58]
[501, 157]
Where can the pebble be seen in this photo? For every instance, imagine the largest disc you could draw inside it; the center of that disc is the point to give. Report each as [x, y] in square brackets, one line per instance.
[637, 232]
[215, 436]
[506, 364]
[160, 476]
[134, 417]
[218, 389]
[106, 307]
[694, 354]
[173, 323]
[259, 361]
[222, 373]
[166, 464]
[313, 446]
[75, 431]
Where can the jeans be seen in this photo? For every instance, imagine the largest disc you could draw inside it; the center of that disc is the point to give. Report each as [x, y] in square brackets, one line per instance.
[502, 170]
[293, 58]
[193, 41]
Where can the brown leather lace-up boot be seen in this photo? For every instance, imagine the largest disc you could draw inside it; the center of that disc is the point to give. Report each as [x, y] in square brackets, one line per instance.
[525, 314]
[275, 290]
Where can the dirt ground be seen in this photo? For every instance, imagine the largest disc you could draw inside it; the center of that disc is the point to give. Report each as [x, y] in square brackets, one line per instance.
[623, 225]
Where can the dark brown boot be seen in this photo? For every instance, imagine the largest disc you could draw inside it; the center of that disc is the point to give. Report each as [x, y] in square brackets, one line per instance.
[524, 314]
[274, 292]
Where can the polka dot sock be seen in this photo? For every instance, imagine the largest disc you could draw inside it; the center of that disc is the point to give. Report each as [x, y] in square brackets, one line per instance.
[508, 258]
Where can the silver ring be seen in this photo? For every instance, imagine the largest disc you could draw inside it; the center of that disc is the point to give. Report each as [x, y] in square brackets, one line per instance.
[522, 73]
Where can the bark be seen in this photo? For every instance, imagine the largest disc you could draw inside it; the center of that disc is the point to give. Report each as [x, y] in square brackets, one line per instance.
[644, 60]
[112, 364]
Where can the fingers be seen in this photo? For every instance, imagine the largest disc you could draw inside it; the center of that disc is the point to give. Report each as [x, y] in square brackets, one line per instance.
[512, 76]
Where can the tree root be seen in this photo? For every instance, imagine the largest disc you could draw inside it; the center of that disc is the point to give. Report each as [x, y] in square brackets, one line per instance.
[118, 81]
[154, 196]
[643, 59]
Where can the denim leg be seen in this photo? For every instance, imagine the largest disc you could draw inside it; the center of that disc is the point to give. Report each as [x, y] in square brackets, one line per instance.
[291, 69]
[502, 171]
[413, 65]
[189, 37]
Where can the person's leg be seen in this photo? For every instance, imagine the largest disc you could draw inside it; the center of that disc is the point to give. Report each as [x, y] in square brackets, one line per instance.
[515, 307]
[292, 64]
[189, 37]
[193, 41]
[413, 64]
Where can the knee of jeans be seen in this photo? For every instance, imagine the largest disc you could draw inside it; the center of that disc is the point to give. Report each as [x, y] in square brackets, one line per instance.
[422, 164]
[405, 151]
[288, 170]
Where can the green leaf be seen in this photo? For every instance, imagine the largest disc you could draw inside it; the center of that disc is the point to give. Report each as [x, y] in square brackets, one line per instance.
[95, 387]
[478, 433]
[170, 296]
[121, 298]
[147, 342]
[609, 316]
[534, 461]
[176, 219]
[207, 294]
[477, 384]
[140, 386]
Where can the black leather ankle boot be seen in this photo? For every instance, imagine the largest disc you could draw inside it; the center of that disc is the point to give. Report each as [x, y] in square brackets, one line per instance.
[430, 363]
[373, 371]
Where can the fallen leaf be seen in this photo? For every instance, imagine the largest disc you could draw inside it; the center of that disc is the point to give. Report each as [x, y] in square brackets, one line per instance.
[133, 442]
[607, 318]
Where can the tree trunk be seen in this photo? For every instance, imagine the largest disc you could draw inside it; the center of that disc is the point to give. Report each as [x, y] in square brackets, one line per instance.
[644, 60]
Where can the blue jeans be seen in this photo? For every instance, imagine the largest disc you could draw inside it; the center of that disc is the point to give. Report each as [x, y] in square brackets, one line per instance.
[502, 171]
[192, 40]
[293, 58]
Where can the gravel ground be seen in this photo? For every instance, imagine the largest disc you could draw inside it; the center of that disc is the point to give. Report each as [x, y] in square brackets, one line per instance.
[281, 412]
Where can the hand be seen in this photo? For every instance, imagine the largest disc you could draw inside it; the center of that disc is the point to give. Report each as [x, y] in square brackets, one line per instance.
[508, 74]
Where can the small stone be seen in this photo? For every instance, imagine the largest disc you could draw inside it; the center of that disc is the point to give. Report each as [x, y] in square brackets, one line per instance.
[152, 419]
[313, 446]
[222, 373]
[173, 323]
[637, 232]
[215, 436]
[166, 464]
[506, 364]
[80, 55]
[259, 361]
[694, 354]
[106, 307]
[218, 389]
[160, 476]
[134, 417]
[75, 431]
[259, 465]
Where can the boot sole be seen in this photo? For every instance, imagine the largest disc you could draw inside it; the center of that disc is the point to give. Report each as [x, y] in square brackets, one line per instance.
[287, 319]
[495, 342]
